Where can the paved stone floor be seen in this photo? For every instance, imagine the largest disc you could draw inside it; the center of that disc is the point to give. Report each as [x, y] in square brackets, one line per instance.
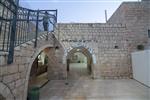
[82, 87]
[78, 71]
[94, 90]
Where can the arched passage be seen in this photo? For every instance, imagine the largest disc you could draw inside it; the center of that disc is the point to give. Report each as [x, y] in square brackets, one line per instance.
[79, 62]
[34, 57]
[39, 71]
[54, 67]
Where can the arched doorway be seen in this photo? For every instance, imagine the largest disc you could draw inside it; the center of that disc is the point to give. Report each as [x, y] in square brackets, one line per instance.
[79, 63]
[39, 71]
[55, 72]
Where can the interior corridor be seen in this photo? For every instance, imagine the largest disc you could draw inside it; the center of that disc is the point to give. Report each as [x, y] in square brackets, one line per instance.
[125, 89]
[79, 64]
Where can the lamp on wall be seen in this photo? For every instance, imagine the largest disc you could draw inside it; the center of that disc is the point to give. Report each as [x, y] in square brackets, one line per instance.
[78, 50]
[57, 47]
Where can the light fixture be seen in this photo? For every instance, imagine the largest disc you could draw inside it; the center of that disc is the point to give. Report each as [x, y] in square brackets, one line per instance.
[57, 47]
[78, 49]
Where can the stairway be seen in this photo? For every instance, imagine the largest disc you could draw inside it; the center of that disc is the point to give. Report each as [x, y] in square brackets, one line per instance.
[19, 50]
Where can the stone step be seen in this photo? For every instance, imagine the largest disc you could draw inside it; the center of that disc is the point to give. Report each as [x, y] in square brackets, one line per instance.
[17, 48]
[24, 45]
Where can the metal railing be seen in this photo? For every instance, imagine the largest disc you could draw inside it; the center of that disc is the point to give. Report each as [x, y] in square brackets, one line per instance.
[30, 24]
[8, 12]
[19, 25]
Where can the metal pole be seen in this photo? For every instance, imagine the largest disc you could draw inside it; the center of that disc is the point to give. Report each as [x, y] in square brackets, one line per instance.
[106, 16]
[46, 35]
[36, 35]
[28, 24]
[68, 61]
[12, 36]
[56, 15]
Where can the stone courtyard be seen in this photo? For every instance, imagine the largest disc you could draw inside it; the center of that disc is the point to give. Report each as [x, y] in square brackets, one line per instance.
[122, 89]
[74, 61]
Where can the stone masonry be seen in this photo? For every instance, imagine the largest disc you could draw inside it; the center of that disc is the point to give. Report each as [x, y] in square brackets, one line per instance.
[136, 17]
[14, 77]
[110, 43]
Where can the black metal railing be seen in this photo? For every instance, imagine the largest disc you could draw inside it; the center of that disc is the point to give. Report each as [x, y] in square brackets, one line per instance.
[19, 25]
[29, 22]
[8, 11]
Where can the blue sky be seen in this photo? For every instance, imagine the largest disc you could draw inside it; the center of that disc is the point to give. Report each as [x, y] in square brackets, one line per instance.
[82, 11]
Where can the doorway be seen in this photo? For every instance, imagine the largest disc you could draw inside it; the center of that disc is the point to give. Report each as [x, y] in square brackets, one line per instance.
[39, 71]
[79, 64]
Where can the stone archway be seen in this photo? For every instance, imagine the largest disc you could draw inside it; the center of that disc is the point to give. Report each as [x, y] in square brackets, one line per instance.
[50, 52]
[5, 92]
[39, 70]
[85, 52]
[32, 59]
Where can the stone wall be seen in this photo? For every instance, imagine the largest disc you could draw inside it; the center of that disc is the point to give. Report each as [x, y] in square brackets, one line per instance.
[108, 42]
[56, 69]
[113, 42]
[14, 77]
[136, 17]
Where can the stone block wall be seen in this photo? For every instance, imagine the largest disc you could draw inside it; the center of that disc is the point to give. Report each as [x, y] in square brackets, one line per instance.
[108, 42]
[56, 68]
[113, 42]
[14, 77]
[136, 17]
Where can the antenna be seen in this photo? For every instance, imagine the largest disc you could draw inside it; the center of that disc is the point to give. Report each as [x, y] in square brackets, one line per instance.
[106, 16]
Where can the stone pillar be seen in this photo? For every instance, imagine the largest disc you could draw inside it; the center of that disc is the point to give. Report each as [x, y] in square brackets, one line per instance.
[56, 68]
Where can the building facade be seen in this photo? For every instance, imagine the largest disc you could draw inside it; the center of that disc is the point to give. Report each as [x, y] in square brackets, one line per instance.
[108, 47]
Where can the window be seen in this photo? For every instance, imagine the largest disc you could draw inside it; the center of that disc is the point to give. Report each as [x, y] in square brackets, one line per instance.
[149, 33]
